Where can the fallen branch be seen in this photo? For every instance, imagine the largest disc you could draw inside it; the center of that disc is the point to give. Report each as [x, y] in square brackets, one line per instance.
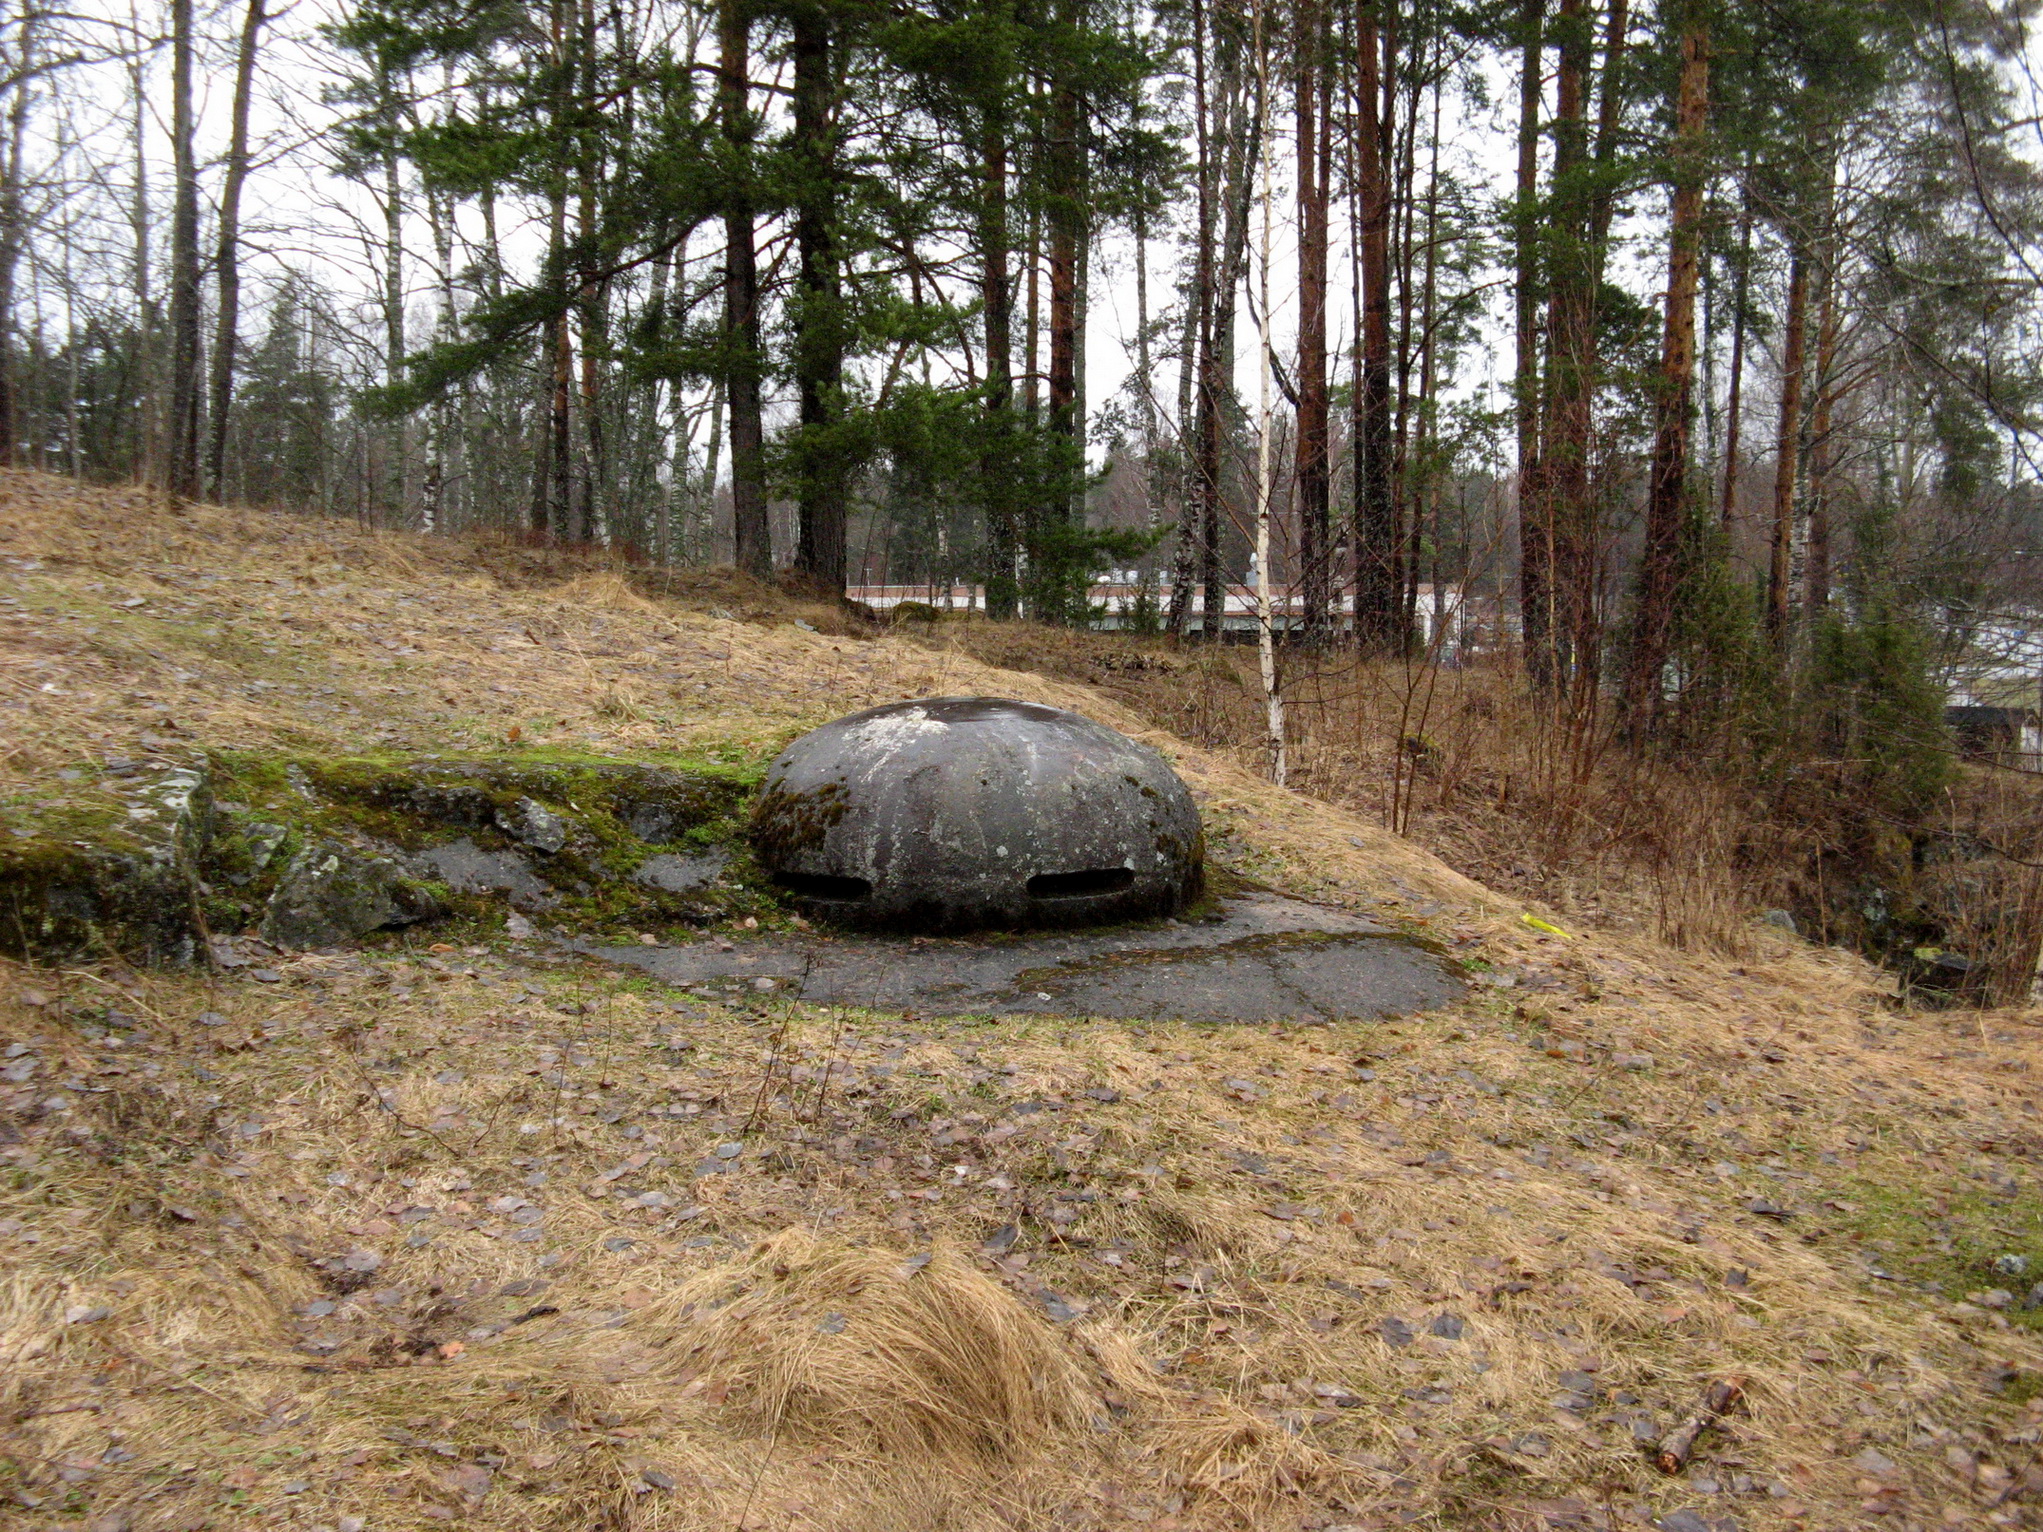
[1678, 1444]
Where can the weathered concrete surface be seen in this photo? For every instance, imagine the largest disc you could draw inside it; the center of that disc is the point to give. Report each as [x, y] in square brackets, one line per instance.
[1263, 958]
[951, 813]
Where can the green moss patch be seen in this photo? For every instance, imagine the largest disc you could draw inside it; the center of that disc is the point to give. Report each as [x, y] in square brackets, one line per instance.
[1952, 1240]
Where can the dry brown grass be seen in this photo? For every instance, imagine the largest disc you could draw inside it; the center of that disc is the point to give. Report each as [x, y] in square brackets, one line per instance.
[424, 1236]
[905, 1360]
[1547, 808]
[768, 1335]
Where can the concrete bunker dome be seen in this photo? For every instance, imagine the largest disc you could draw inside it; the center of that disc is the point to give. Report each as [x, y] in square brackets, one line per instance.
[949, 813]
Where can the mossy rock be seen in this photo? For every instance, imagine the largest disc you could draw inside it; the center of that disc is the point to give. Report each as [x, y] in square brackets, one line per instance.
[108, 869]
[328, 894]
[314, 851]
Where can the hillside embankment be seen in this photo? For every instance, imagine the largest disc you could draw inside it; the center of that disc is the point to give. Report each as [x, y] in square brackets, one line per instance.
[451, 1224]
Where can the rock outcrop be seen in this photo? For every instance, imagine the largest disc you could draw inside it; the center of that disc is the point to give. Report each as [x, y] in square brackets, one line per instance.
[150, 863]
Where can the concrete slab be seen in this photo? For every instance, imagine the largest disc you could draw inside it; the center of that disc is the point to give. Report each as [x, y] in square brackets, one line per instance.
[1260, 957]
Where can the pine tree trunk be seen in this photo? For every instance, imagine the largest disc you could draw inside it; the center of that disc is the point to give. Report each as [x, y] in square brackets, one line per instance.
[592, 478]
[1266, 638]
[1667, 492]
[1224, 412]
[1609, 107]
[402, 498]
[1155, 488]
[1535, 511]
[1065, 215]
[13, 235]
[1425, 506]
[752, 530]
[1734, 403]
[183, 478]
[1794, 340]
[1581, 526]
[1816, 576]
[818, 324]
[996, 292]
[1315, 554]
[1377, 593]
[1570, 379]
[148, 452]
[554, 475]
[228, 274]
[1407, 79]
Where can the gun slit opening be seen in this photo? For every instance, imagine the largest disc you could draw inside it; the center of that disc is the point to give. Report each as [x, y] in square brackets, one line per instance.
[1090, 883]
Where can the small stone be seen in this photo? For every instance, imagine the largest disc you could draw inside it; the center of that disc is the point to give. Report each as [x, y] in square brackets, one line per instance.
[1060, 1310]
[676, 874]
[1873, 1461]
[532, 823]
[1446, 1326]
[1395, 1332]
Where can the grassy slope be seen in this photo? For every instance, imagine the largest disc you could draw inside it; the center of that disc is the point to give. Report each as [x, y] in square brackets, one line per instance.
[414, 1236]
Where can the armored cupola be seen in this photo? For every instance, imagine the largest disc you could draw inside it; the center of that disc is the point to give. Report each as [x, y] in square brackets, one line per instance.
[950, 813]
